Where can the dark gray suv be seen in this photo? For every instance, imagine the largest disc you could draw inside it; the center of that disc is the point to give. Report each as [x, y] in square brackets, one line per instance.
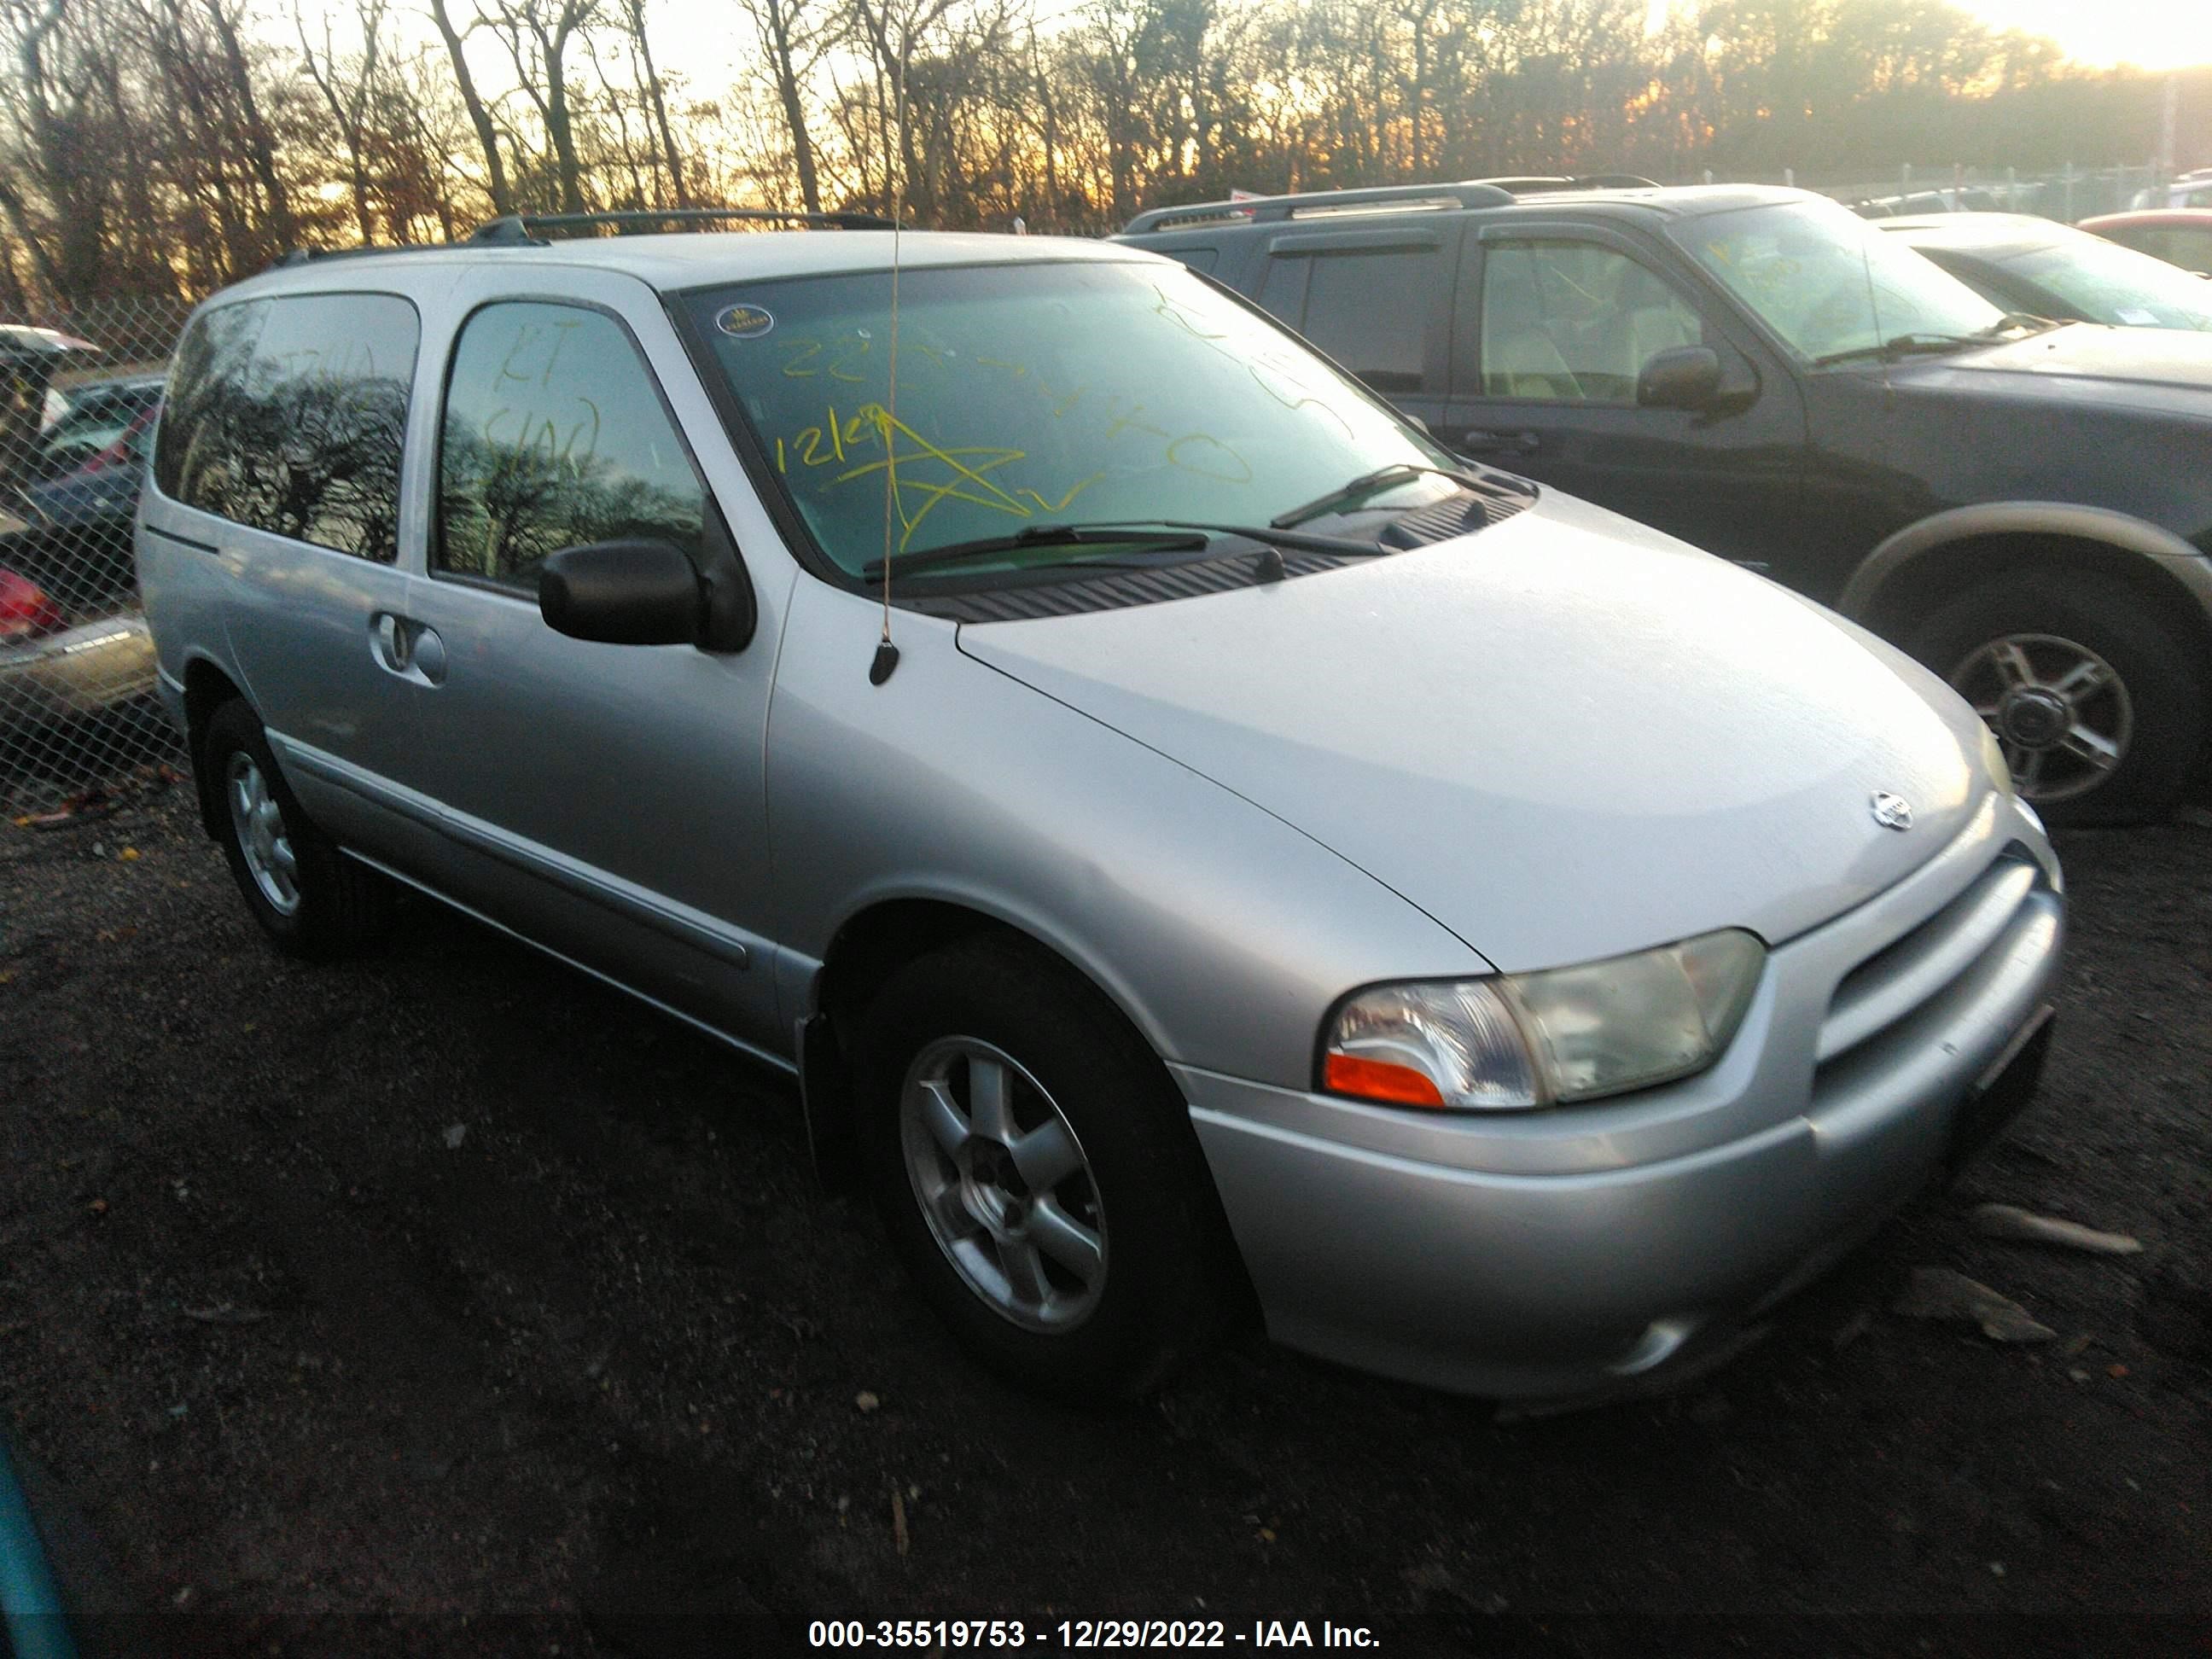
[2024, 505]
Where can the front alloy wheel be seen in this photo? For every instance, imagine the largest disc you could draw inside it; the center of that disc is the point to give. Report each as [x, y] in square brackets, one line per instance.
[1035, 1169]
[2097, 697]
[2061, 713]
[1004, 1184]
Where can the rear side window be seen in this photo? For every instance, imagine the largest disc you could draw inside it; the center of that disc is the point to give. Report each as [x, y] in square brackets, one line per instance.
[1368, 311]
[289, 414]
[555, 436]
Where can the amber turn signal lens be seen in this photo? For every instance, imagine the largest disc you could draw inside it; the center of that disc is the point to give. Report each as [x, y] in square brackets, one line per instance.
[1377, 1079]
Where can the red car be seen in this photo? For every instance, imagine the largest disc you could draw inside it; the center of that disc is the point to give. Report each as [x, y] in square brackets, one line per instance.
[2180, 236]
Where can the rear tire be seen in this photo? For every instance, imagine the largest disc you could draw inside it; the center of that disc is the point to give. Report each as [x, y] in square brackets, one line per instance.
[2096, 698]
[1036, 1171]
[310, 899]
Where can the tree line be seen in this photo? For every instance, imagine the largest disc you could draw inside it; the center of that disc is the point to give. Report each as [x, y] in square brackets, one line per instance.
[160, 148]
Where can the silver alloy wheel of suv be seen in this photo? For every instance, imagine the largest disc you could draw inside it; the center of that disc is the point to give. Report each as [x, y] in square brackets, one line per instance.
[2061, 711]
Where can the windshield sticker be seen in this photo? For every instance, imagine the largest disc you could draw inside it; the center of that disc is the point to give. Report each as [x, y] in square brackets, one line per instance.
[2136, 318]
[743, 322]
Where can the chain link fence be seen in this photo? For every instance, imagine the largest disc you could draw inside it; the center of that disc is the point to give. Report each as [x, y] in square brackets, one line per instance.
[80, 725]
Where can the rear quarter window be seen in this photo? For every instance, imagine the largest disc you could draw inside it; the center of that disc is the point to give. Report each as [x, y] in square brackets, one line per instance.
[289, 414]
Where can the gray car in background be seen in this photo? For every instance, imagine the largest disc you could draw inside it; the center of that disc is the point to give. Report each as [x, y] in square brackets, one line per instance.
[1196, 841]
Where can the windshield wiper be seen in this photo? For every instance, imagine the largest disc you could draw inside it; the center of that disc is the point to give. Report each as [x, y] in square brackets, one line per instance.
[1900, 345]
[1035, 535]
[1366, 484]
[1272, 535]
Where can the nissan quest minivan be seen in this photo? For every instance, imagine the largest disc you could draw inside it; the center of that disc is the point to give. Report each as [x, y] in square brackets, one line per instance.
[1198, 842]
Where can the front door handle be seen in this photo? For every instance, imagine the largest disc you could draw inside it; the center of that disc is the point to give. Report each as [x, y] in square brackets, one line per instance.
[408, 648]
[1478, 441]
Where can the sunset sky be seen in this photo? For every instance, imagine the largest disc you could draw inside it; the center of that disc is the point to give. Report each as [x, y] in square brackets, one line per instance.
[2154, 33]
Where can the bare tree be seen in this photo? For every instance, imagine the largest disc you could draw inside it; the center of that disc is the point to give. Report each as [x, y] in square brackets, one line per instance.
[649, 81]
[347, 89]
[502, 199]
[537, 34]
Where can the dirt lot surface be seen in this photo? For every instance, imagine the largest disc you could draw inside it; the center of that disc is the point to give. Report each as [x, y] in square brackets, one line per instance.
[444, 1302]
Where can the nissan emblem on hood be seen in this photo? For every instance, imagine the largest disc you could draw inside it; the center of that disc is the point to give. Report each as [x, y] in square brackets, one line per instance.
[1892, 811]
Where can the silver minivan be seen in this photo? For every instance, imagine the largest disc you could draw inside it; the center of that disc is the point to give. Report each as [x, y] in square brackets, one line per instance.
[1200, 844]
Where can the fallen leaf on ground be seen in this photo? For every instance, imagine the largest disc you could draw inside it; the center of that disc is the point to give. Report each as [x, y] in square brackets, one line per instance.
[1942, 1293]
[2024, 1226]
[866, 1400]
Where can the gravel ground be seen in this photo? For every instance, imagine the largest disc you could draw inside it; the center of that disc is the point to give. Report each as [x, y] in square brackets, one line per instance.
[444, 1302]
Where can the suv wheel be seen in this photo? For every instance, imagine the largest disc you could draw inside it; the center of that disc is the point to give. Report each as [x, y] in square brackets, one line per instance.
[1035, 1169]
[308, 897]
[2098, 704]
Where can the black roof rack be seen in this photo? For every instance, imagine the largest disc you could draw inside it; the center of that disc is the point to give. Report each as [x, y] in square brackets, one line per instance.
[1465, 194]
[525, 229]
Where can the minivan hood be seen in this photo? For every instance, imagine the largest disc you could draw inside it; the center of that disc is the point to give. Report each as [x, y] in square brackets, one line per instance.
[1563, 738]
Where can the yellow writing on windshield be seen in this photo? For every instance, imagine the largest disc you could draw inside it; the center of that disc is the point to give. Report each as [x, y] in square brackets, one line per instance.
[966, 467]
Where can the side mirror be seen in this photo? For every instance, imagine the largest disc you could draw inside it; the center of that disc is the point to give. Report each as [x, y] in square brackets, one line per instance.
[630, 592]
[1681, 377]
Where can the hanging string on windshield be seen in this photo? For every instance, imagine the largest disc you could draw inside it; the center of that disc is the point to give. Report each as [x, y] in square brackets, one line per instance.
[887, 655]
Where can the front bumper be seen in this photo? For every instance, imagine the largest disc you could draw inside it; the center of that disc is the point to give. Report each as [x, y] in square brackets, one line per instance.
[82, 670]
[1581, 1249]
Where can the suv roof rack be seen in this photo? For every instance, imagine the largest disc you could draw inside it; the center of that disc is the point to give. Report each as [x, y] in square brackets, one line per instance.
[524, 229]
[1382, 198]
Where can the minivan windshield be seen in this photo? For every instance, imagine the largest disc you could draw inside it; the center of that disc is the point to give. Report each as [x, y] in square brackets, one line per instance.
[1079, 392]
[1829, 284]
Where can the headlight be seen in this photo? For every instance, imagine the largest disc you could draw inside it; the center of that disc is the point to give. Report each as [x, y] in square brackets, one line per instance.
[1567, 1034]
[1993, 760]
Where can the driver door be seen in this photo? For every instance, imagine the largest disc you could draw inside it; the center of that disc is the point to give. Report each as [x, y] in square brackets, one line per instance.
[1554, 324]
[607, 800]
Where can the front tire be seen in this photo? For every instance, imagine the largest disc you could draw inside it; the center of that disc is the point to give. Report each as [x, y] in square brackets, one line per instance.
[309, 898]
[1035, 1169]
[2097, 701]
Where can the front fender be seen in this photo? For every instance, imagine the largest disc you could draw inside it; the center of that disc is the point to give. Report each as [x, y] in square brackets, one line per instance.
[1222, 932]
[2187, 565]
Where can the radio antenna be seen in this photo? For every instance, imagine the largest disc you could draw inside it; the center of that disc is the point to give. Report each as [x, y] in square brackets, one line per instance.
[887, 654]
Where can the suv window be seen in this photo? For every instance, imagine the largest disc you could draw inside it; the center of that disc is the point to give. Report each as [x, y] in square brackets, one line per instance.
[1574, 322]
[1365, 307]
[555, 436]
[289, 414]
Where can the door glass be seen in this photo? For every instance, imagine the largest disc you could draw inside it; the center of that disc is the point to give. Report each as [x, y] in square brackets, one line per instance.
[289, 415]
[555, 436]
[1573, 322]
[1370, 310]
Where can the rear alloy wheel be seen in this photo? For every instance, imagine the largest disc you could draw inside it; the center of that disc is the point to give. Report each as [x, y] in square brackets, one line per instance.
[1036, 1170]
[2099, 707]
[309, 897]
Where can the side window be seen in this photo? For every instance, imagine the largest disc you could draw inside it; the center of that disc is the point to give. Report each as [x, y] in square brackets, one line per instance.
[554, 435]
[1574, 322]
[1369, 310]
[289, 414]
[1282, 293]
[198, 459]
